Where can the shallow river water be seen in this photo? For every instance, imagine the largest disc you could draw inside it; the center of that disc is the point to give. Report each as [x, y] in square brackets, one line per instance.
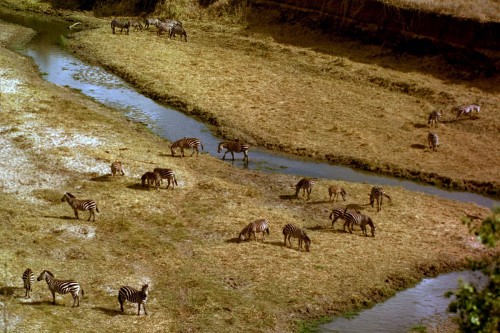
[398, 314]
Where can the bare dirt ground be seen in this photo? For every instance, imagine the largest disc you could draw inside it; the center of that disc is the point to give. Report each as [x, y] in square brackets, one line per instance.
[182, 241]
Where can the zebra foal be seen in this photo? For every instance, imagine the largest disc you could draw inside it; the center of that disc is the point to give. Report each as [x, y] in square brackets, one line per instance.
[306, 185]
[233, 147]
[151, 178]
[335, 191]
[186, 143]
[61, 287]
[117, 168]
[377, 194]
[83, 205]
[433, 141]
[133, 295]
[28, 280]
[290, 231]
[167, 174]
[354, 218]
[253, 228]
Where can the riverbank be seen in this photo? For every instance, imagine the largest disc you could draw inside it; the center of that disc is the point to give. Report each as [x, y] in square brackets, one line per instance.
[181, 242]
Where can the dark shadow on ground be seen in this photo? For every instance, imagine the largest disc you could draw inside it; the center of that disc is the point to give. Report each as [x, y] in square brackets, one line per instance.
[104, 178]
[288, 196]
[418, 146]
[109, 312]
[60, 217]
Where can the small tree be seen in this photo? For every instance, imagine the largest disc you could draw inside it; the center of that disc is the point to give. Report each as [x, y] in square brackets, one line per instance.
[479, 310]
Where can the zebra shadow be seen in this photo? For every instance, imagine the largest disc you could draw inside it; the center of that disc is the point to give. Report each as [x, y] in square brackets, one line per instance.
[420, 125]
[109, 312]
[60, 217]
[48, 303]
[418, 146]
[139, 187]
[276, 243]
[327, 229]
[288, 197]
[103, 178]
[9, 291]
[318, 202]
[232, 240]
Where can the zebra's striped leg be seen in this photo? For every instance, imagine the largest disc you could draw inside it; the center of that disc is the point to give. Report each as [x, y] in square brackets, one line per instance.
[76, 213]
[232, 155]
[53, 297]
[224, 156]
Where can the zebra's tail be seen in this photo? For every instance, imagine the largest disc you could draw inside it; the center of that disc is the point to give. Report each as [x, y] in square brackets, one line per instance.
[83, 293]
[388, 197]
[201, 144]
[175, 181]
[267, 230]
[97, 209]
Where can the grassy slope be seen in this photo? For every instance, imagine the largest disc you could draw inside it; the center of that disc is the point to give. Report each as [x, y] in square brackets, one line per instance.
[181, 242]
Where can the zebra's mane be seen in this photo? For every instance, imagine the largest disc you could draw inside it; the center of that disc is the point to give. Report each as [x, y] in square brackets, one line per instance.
[48, 272]
[69, 195]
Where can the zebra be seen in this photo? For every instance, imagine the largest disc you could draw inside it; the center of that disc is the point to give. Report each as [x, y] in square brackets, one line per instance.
[353, 217]
[120, 24]
[178, 30]
[167, 174]
[151, 178]
[335, 191]
[290, 231]
[151, 21]
[84, 204]
[378, 193]
[233, 147]
[433, 141]
[136, 25]
[61, 287]
[434, 118]
[338, 213]
[163, 27]
[117, 168]
[468, 109]
[28, 280]
[186, 143]
[306, 185]
[254, 227]
[133, 295]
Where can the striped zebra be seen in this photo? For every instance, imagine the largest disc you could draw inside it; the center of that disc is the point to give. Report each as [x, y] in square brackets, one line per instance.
[290, 231]
[151, 178]
[167, 174]
[254, 227]
[151, 21]
[83, 205]
[233, 147]
[338, 213]
[28, 280]
[61, 287]
[117, 168]
[355, 218]
[434, 118]
[186, 143]
[335, 191]
[468, 109]
[136, 25]
[433, 141]
[120, 24]
[378, 193]
[178, 30]
[133, 295]
[306, 185]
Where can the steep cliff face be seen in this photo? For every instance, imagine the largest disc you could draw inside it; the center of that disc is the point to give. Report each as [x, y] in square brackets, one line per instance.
[412, 30]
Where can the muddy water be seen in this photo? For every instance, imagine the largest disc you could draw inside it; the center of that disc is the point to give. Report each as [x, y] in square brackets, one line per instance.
[60, 67]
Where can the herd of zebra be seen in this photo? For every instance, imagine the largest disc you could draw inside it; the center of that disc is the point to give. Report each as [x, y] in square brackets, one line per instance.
[62, 287]
[435, 117]
[171, 27]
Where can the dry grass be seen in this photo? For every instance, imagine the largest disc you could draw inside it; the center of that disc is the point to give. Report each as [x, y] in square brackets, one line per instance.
[181, 242]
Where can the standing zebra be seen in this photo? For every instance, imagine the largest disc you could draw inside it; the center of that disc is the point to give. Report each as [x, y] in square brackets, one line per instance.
[433, 141]
[151, 21]
[468, 109]
[133, 295]
[234, 147]
[167, 174]
[290, 231]
[338, 213]
[377, 193]
[352, 217]
[61, 287]
[254, 227]
[117, 168]
[335, 191]
[28, 280]
[434, 118]
[120, 24]
[186, 143]
[306, 185]
[178, 30]
[151, 178]
[84, 204]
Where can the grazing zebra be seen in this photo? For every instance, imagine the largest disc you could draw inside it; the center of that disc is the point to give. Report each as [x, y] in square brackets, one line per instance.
[433, 141]
[290, 231]
[378, 193]
[151, 21]
[133, 295]
[338, 213]
[83, 205]
[151, 178]
[233, 147]
[28, 280]
[186, 143]
[434, 118]
[167, 174]
[178, 30]
[61, 287]
[335, 191]
[120, 24]
[355, 218]
[468, 109]
[117, 168]
[136, 25]
[306, 185]
[254, 227]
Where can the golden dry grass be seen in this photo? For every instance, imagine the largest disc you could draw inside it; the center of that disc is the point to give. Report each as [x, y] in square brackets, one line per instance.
[182, 241]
